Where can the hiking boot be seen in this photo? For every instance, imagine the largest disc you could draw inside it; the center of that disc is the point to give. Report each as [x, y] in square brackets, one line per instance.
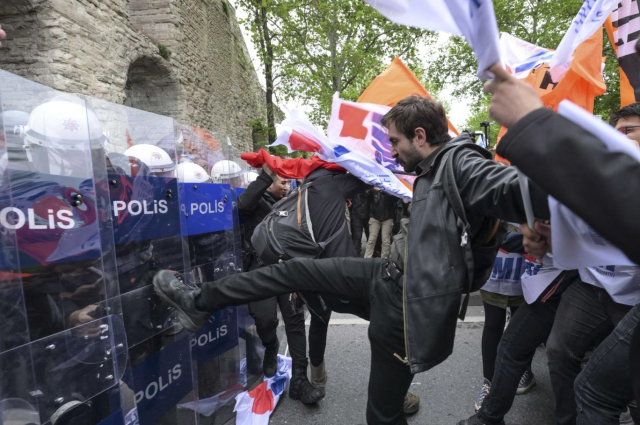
[319, 377]
[484, 391]
[270, 361]
[300, 388]
[411, 403]
[475, 420]
[181, 297]
[527, 381]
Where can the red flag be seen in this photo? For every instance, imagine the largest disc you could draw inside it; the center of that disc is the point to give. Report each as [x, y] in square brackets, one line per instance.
[291, 168]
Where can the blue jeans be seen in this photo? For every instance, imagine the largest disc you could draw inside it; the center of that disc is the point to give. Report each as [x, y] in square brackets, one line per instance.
[526, 331]
[585, 317]
[604, 388]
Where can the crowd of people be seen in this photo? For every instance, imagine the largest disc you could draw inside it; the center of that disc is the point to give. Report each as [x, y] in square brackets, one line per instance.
[451, 241]
[465, 229]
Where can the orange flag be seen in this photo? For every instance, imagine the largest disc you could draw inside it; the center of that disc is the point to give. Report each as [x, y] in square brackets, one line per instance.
[627, 93]
[394, 84]
[581, 84]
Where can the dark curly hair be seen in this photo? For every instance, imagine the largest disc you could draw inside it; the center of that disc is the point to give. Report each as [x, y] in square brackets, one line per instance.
[627, 111]
[417, 111]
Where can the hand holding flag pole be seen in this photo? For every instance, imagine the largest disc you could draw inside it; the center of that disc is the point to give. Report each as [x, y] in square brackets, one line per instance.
[511, 100]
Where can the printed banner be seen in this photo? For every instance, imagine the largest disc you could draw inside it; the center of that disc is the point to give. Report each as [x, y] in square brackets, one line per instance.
[520, 57]
[621, 282]
[623, 28]
[590, 17]
[537, 277]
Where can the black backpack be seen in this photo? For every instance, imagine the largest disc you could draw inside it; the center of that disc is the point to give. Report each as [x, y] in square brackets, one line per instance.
[480, 254]
[287, 232]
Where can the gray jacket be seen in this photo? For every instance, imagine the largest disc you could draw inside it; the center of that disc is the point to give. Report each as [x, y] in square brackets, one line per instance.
[435, 270]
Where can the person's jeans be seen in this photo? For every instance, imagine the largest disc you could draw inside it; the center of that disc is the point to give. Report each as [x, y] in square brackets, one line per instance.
[374, 230]
[526, 331]
[585, 317]
[363, 281]
[265, 314]
[604, 387]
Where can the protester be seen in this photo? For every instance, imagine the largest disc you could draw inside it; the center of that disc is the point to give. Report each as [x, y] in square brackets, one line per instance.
[549, 148]
[503, 290]
[383, 211]
[426, 324]
[254, 204]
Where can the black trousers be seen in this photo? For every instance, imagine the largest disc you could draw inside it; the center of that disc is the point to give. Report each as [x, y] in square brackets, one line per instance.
[357, 227]
[265, 314]
[362, 281]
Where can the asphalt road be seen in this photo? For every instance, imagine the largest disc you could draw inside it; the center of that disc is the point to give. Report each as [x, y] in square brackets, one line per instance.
[447, 392]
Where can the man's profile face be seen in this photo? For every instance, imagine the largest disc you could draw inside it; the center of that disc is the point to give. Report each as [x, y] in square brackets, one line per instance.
[279, 187]
[633, 133]
[403, 150]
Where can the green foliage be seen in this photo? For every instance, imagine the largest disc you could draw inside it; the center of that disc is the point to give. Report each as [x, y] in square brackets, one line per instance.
[480, 113]
[164, 52]
[320, 47]
[225, 8]
[541, 22]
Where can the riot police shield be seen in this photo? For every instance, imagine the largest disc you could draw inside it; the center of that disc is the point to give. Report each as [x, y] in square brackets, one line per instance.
[61, 355]
[208, 227]
[145, 216]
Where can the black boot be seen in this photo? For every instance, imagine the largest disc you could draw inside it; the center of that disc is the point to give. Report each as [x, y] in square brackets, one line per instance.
[300, 388]
[270, 362]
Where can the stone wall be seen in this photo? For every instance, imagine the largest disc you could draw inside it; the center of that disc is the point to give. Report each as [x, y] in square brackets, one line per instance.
[111, 49]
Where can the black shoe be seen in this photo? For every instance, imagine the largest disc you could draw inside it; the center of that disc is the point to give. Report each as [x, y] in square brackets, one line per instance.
[270, 362]
[475, 420]
[181, 297]
[300, 388]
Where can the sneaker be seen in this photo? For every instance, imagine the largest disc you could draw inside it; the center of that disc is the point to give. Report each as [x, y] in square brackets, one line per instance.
[270, 362]
[484, 391]
[527, 382]
[411, 403]
[475, 420]
[625, 418]
[319, 378]
[181, 297]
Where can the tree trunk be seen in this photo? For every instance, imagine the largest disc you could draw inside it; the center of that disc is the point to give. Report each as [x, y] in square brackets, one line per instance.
[268, 71]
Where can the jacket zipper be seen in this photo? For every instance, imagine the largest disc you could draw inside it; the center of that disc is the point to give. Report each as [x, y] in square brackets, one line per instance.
[404, 297]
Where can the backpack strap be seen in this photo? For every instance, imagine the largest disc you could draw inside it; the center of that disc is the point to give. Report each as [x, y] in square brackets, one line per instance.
[453, 196]
[335, 235]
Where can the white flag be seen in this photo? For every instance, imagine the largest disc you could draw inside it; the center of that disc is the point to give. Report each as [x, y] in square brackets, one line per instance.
[473, 19]
[575, 243]
[591, 16]
[520, 57]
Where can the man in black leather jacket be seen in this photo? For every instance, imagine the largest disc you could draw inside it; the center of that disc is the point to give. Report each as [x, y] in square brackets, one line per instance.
[254, 204]
[412, 317]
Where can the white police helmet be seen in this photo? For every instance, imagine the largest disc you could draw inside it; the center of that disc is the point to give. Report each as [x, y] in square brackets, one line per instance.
[63, 123]
[189, 172]
[225, 169]
[153, 157]
[252, 176]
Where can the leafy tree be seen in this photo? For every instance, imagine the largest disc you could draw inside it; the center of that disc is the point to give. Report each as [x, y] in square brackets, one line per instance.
[314, 48]
[541, 22]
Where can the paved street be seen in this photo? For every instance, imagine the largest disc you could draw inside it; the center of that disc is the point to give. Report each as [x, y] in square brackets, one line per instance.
[447, 392]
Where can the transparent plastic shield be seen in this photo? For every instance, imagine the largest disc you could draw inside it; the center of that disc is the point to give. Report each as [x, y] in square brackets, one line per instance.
[140, 162]
[52, 276]
[208, 227]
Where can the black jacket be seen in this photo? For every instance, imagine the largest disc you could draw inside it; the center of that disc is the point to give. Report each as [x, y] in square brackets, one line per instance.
[253, 205]
[328, 207]
[435, 268]
[573, 166]
[383, 206]
[360, 205]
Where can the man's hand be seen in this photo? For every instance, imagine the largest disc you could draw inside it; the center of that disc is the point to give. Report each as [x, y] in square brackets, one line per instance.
[512, 99]
[3, 35]
[537, 243]
[268, 170]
